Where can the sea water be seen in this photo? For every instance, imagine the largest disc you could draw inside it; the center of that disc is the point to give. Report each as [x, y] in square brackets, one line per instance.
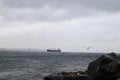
[36, 65]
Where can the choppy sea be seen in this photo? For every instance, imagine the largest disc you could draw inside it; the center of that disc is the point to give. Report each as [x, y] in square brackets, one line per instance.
[36, 65]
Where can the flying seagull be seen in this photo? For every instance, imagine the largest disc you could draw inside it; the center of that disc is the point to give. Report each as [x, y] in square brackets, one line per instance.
[88, 47]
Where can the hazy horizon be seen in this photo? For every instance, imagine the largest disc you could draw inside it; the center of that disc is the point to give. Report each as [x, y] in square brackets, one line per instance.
[71, 25]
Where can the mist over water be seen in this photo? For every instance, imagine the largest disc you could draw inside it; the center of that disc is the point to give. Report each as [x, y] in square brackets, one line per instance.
[34, 66]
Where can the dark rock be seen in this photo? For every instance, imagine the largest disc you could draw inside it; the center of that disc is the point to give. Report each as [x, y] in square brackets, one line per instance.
[106, 67]
[67, 77]
[80, 75]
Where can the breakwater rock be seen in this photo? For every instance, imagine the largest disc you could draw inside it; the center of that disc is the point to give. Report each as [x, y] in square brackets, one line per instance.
[68, 76]
[106, 67]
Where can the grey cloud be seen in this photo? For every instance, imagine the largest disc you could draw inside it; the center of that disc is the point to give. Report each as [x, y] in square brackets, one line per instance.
[34, 10]
[109, 5]
[44, 14]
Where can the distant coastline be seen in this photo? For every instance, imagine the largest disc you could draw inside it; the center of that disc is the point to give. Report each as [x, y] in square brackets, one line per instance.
[28, 50]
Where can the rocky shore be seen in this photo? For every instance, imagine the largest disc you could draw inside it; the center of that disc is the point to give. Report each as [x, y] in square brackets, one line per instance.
[106, 67]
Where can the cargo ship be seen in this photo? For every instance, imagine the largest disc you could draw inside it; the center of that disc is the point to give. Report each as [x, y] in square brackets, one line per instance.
[53, 50]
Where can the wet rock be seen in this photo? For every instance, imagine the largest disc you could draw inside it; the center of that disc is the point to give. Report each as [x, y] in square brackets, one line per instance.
[106, 67]
[79, 73]
[68, 76]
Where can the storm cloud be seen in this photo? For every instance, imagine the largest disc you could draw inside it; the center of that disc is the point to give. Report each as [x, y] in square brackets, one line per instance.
[71, 25]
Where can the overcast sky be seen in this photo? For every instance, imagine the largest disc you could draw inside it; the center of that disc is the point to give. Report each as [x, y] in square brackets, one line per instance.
[71, 25]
